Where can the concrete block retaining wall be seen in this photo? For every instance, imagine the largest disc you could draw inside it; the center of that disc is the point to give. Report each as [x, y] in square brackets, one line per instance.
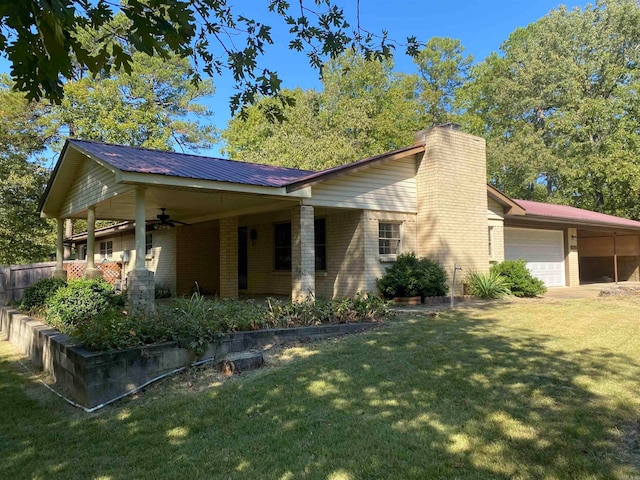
[93, 378]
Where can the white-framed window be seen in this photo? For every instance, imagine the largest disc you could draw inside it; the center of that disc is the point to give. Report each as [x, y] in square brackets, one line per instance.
[106, 249]
[148, 244]
[388, 238]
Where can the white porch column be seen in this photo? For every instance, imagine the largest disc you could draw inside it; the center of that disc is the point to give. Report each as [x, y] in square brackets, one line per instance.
[140, 281]
[303, 254]
[229, 257]
[59, 271]
[91, 271]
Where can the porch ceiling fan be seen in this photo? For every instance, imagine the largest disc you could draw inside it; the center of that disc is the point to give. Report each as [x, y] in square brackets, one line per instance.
[163, 220]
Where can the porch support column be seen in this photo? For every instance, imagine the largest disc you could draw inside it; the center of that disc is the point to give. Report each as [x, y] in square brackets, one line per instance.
[229, 257]
[140, 281]
[91, 272]
[60, 271]
[303, 254]
[615, 258]
[573, 264]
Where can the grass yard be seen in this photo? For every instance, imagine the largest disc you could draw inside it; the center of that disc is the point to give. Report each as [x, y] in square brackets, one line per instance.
[526, 390]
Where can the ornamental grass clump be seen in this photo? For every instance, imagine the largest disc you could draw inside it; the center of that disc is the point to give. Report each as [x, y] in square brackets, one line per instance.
[487, 285]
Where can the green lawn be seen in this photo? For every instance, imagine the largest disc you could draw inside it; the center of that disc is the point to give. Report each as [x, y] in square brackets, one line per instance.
[527, 390]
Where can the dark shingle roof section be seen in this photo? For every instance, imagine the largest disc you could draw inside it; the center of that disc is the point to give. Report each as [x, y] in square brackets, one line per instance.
[142, 160]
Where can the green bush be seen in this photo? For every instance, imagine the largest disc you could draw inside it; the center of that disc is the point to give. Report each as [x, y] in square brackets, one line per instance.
[80, 301]
[521, 282]
[411, 277]
[200, 322]
[487, 286]
[162, 290]
[36, 295]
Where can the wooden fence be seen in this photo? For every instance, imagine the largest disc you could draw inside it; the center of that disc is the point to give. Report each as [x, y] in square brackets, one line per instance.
[15, 278]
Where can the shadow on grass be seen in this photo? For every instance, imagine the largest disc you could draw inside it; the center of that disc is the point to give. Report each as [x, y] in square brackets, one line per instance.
[443, 397]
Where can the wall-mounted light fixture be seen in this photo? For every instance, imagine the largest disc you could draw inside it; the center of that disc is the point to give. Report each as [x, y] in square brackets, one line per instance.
[253, 235]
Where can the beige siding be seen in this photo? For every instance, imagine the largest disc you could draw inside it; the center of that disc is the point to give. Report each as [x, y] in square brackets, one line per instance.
[162, 261]
[93, 184]
[390, 186]
[496, 231]
[495, 210]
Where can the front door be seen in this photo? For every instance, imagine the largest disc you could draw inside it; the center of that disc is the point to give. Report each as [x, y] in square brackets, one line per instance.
[243, 260]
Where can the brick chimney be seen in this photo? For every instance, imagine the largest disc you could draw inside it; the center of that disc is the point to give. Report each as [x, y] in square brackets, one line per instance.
[452, 200]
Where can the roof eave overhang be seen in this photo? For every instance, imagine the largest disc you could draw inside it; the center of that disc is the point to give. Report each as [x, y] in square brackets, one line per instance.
[118, 228]
[511, 207]
[572, 222]
[156, 180]
[336, 172]
[43, 199]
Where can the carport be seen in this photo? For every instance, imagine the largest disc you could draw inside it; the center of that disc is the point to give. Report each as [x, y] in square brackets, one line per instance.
[567, 246]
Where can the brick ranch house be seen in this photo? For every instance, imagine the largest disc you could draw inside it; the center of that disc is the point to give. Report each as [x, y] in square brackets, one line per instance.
[260, 229]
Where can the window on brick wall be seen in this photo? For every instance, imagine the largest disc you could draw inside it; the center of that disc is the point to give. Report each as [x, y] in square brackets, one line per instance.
[388, 238]
[321, 243]
[282, 245]
[106, 249]
[148, 244]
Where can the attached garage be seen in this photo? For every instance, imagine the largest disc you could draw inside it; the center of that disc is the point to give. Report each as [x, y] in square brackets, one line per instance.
[542, 249]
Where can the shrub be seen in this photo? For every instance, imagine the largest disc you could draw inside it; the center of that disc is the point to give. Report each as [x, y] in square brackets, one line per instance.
[486, 286]
[36, 295]
[521, 282]
[411, 277]
[79, 301]
[162, 290]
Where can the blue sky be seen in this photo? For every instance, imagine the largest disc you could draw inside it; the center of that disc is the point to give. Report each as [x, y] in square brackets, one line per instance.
[480, 25]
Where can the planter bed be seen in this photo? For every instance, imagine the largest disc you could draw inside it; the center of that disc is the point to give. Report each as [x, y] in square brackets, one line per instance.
[93, 378]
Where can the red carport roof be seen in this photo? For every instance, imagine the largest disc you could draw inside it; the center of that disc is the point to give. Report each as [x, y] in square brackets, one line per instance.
[143, 160]
[575, 215]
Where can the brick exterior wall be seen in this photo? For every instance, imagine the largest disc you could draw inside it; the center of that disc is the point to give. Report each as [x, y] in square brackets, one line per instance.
[344, 275]
[452, 202]
[198, 259]
[229, 257]
[375, 265]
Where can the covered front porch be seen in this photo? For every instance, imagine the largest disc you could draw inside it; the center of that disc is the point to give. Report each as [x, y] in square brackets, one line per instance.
[104, 182]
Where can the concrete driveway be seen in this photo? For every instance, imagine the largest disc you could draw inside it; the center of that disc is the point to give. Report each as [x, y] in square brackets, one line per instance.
[589, 290]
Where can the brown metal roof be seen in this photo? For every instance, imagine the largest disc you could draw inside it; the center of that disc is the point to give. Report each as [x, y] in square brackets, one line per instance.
[574, 215]
[142, 160]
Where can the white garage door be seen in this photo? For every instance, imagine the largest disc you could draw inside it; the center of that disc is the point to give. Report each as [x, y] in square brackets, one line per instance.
[542, 249]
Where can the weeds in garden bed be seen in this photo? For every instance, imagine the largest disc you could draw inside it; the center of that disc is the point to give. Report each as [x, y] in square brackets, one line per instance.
[202, 321]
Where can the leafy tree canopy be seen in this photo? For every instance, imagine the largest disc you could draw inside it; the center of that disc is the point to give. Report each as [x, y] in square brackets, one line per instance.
[560, 109]
[24, 236]
[40, 39]
[363, 109]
